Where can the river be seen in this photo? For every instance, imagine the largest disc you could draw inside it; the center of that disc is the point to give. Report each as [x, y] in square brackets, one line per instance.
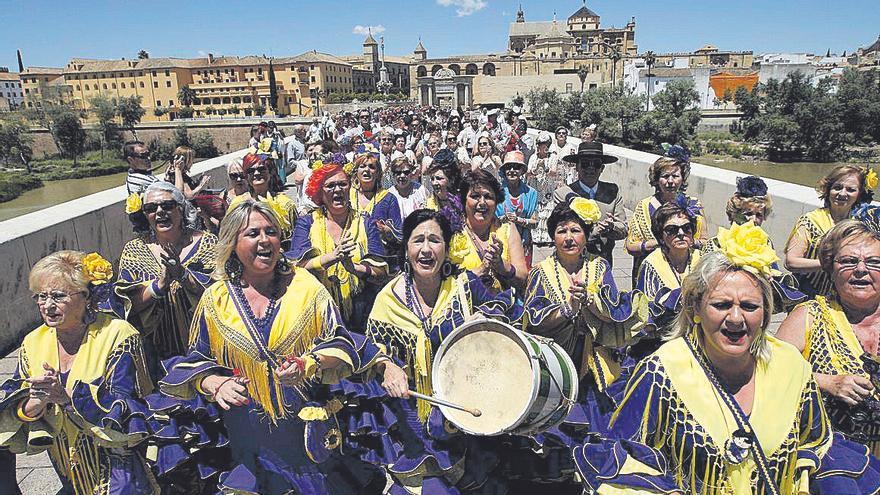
[803, 173]
[58, 191]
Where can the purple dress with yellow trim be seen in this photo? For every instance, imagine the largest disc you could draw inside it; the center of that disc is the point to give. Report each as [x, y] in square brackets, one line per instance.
[594, 344]
[284, 439]
[420, 449]
[96, 442]
[352, 295]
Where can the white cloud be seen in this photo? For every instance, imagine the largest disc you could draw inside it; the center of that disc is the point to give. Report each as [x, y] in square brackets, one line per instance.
[364, 30]
[464, 7]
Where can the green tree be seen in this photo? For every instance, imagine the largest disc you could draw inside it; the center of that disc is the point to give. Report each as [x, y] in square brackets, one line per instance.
[259, 109]
[104, 108]
[181, 136]
[186, 96]
[675, 115]
[186, 112]
[49, 102]
[858, 94]
[15, 140]
[130, 111]
[71, 135]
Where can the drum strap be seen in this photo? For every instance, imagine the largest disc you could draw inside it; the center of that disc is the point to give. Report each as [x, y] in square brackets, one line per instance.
[742, 421]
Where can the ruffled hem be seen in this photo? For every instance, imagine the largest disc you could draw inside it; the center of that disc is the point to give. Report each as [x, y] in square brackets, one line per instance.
[601, 463]
[785, 293]
[847, 467]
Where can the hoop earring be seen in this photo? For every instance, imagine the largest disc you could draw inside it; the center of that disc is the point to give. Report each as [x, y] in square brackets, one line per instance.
[697, 319]
[283, 267]
[406, 268]
[233, 268]
[446, 269]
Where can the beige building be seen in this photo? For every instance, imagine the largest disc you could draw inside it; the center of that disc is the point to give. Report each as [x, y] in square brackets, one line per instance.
[44, 82]
[547, 54]
[11, 92]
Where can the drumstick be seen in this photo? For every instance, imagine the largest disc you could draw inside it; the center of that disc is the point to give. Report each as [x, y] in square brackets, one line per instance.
[440, 402]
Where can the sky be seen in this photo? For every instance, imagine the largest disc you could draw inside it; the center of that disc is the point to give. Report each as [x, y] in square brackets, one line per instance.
[51, 32]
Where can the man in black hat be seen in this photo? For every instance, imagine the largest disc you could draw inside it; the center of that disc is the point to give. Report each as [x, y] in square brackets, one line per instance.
[590, 161]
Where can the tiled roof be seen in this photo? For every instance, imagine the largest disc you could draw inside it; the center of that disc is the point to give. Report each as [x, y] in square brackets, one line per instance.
[530, 28]
[42, 70]
[583, 12]
[9, 76]
[316, 56]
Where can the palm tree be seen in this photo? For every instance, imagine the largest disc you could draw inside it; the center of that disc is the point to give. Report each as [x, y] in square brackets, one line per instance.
[143, 54]
[186, 96]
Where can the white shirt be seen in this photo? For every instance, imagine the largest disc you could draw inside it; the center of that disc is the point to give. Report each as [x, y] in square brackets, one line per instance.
[413, 202]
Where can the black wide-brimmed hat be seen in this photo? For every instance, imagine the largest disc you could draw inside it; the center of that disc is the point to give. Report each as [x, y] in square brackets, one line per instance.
[590, 151]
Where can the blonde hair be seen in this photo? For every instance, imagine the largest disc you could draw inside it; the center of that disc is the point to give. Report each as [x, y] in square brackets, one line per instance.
[665, 162]
[837, 173]
[65, 267]
[701, 281]
[188, 155]
[236, 218]
[234, 164]
[737, 204]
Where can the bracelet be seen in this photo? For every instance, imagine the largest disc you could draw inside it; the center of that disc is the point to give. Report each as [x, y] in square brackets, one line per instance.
[154, 290]
[310, 363]
[24, 417]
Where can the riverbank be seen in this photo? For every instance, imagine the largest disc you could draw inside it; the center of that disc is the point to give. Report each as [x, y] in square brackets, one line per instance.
[803, 173]
[14, 183]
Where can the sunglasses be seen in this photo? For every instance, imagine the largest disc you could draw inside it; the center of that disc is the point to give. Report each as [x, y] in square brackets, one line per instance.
[671, 230]
[484, 143]
[167, 205]
[260, 168]
[335, 185]
[385, 140]
[236, 176]
[405, 171]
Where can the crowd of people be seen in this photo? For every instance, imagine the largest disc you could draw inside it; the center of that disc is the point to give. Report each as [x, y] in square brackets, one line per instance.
[280, 334]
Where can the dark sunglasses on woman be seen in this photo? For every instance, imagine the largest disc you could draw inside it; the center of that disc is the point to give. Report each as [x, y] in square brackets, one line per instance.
[167, 205]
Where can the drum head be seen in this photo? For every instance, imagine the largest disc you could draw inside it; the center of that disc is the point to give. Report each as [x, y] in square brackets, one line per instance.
[484, 365]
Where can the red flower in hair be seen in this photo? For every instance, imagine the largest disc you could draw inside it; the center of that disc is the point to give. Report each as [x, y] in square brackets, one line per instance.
[249, 161]
[316, 181]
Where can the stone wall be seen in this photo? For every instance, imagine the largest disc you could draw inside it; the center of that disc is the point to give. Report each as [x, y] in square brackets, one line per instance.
[98, 223]
[93, 223]
[228, 135]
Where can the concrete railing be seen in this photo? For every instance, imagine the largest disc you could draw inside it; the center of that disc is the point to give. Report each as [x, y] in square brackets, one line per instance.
[92, 223]
[98, 223]
[713, 186]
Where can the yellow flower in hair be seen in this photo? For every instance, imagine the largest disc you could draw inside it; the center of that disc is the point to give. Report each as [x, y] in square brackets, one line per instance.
[586, 209]
[238, 199]
[96, 269]
[458, 248]
[317, 164]
[134, 203]
[871, 179]
[748, 247]
[277, 205]
[348, 168]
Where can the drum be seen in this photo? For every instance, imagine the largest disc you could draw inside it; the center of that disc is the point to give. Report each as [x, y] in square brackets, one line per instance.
[523, 384]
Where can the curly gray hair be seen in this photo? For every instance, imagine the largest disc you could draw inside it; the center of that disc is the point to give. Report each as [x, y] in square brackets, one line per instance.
[187, 210]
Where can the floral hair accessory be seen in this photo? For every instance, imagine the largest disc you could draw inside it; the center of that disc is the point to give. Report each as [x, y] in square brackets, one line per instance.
[276, 204]
[750, 187]
[871, 179]
[96, 269]
[678, 152]
[586, 209]
[134, 203]
[348, 168]
[458, 248]
[690, 206]
[366, 149]
[868, 214]
[748, 247]
[317, 164]
[265, 147]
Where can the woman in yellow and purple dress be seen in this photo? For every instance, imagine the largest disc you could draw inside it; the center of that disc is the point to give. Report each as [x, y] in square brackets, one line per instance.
[723, 407]
[662, 271]
[163, 271]
[842, 190]
[368, 196]
[751, 202]
[572, 298]
[839, 334]
[266, 341]
[78, 389]
[668, 175]
[492, 250]
[412, 315]
[340, 245]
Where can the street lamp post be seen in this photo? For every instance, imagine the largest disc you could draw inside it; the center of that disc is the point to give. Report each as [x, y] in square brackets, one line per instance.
[582, 74]
[615, 56]
[650, 60]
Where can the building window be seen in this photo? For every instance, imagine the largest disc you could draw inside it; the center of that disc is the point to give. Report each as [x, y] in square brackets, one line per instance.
[77, 87]
[142, 84]
[170, 103]
[122, 85]
[154, 73]
[568, 87]
[155, 84]
[87, 87]
[167, 84]
[158, 103]
[313, 78]
[167, 73]
[104, 85]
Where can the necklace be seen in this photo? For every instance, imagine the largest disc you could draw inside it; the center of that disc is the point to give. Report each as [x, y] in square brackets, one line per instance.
[415, 306]
[249, 312]
[687, 267]
[557, 268]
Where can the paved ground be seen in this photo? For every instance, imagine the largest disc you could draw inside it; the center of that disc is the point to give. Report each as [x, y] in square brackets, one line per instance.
[37, 477]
